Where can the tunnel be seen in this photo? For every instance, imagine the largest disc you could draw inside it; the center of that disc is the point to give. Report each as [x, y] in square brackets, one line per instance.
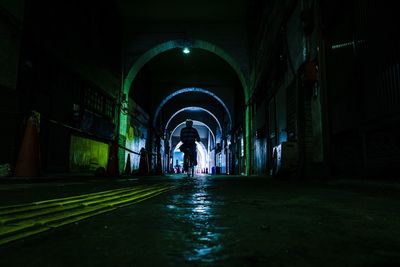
[200, 85]
[295, 113]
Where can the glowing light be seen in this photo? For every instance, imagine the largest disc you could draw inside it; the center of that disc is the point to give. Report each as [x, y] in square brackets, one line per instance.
[202, 155]
[186, 50]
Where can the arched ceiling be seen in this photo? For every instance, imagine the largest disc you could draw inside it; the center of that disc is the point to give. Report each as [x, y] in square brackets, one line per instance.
[220, 61]
[195, 99]
[173, 70]
[202, 129]
[199, 96]
[196, 115]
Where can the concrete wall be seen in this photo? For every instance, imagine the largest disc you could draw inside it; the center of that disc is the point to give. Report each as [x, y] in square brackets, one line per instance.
[347, 122]
[11, 18]
[65, 48]
[138, 135]
[362, 63]
[282, 107]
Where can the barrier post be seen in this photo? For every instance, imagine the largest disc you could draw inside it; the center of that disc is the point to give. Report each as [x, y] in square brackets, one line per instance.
[28, 163]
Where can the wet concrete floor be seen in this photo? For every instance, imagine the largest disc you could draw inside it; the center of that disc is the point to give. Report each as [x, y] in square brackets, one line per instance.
[221, 221]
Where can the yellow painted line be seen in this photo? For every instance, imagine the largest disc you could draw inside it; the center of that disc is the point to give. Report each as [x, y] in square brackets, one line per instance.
[56, 202]
[119, 196]
[44, 209]
[63, 215]
[66, 201]
[90, 209]
[116, 203]
[64, 198]
[57, 209]
[67, 215]
[114, 191]
[145, 198]
[78, 218]
[108, 209]
[11, 229]
[22, 216]
[23, 235]
[100, 196]
[28, 225]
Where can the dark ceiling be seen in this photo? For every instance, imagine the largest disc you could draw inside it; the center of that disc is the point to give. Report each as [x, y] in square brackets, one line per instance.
[155, 11]
[147, 23]
[173, 70]
[197, 68]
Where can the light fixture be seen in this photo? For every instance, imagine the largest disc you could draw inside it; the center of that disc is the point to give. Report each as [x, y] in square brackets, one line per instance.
[186, 50]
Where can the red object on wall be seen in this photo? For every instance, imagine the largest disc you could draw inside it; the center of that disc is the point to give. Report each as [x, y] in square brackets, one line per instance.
[310, 71]
[309, 75]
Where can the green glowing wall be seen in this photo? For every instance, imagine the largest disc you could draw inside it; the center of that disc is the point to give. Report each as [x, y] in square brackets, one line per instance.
[87, 155]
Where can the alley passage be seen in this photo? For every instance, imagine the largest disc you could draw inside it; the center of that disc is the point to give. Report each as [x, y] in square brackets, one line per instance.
[20, 221]
[209, 220]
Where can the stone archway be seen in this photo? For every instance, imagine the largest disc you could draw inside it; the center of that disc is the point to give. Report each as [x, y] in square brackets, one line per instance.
[200, 44]
[187, 90]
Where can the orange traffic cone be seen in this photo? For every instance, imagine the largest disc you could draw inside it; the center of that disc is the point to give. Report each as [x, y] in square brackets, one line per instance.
[28, 163]
[112, 167]
[128, 168]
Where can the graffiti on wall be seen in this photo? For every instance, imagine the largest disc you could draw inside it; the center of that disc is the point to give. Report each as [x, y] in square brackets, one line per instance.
[87, 155]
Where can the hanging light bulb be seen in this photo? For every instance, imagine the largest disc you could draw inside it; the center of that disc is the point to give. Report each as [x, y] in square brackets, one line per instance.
[186, 50]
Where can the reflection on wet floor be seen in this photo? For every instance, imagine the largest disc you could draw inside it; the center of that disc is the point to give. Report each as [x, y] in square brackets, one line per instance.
[227, 221]
[196, 210]
[205, 240]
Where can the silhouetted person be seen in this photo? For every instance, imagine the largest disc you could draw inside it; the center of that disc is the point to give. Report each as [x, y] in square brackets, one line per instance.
[188, 137]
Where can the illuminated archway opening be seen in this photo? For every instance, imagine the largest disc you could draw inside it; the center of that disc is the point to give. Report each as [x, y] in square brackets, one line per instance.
[202, 157]
[203, 153]
[189, 90]
[193, 109]
[194, 122]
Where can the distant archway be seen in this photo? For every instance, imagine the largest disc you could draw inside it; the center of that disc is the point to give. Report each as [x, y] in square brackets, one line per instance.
[200, 123]
[187, 90]
[194, 109]
[202, 155]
